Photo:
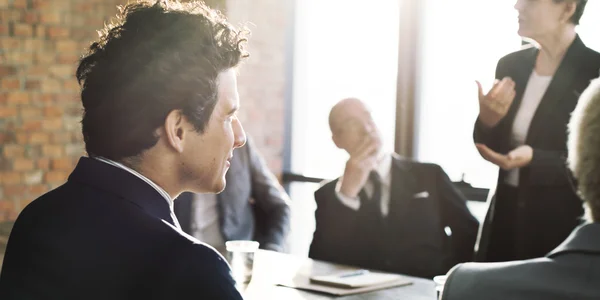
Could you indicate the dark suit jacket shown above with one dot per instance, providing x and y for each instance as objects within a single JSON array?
[
  {"x": 253, "y": 205},
  {"x": 106, "y": 234},
  {"x": 414, "y": 240},
  {"x": 547, "y": 202},
  {"x": 571, "y": 271}
]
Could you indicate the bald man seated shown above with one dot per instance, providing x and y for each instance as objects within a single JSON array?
[{"x": 386, "y": 212}]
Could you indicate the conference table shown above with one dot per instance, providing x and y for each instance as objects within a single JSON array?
[{"x": 272, "y": 267}]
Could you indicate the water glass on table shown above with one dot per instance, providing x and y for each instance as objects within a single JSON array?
[{"x": 240, "y": 255}]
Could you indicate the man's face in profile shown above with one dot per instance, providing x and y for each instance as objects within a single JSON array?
[{"x": 208, "y": 156}]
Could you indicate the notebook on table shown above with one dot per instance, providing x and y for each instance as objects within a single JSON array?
[{"x": 348, "y": 283}]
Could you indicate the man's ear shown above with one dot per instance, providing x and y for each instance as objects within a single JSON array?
[{"x": 175, "y": 130}]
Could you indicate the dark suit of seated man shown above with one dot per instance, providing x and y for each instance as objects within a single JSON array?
[
  {"x": 158, "y": 88},
  {"x": 386, "y": 212},
  {"x": 253, "y": 206},
  {"x": 572, "y": 270}
]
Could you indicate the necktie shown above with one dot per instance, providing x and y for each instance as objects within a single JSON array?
[{"x": 374, "y": 203}]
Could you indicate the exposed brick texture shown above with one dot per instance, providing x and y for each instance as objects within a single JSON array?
[
  {"x": 40, "y": 43},
  {"x": 40, "y": 138}
]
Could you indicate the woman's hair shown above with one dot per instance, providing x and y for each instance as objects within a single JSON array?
[
  {"x": 578, "y": 11},
  {"x": 153, "y": 59}
]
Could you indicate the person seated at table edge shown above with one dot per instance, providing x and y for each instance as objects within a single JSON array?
[{"x": 386, "y": 212}]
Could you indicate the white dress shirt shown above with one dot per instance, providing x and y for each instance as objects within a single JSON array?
[
  {"x": 534, "y": 92},
  {"x": 148, "y": 181},
  {"x": 384, "y": 169},
  {"x": 205, "y": 225}
]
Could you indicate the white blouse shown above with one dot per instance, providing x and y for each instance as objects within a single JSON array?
[{"x": 534, "y": 92}]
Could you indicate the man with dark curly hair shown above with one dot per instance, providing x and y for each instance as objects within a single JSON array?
[{"x": 158, "y": 87}]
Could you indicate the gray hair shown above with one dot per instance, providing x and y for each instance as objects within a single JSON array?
[{"x": 584, "y": 148}]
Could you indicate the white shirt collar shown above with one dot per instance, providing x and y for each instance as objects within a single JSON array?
[
  {"x": 140, "y": 176},
  {"x": 385, "y": 166}
]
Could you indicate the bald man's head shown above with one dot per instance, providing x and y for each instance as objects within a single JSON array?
[
  {"x": 351, "y": 123},
  {"x": 344, "y": 109}
]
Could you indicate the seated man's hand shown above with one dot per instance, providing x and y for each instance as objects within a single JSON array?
[{"x": 361, "y": 163}]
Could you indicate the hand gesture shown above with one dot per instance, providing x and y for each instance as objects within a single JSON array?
[
  {"x": 517, "y": 158},
  {"x": 358, "y": 167},
  {"x": 494, "y": 105}
]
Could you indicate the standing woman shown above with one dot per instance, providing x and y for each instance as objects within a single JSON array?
[{"x": 522, "y": 128}]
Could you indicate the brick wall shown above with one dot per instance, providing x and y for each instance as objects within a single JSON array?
[
  {"x": 40, "y": 43},
  {"x": 262, "y": 77},
  {"x": 40, "y": 138}
]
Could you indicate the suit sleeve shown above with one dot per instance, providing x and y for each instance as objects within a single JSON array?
[
  {"x": 197, "y": 273},
  {"x": 549, "y": 167},
  {"x": 458, "y": 217},
  {"x": 491, "y": 136},
  {"x": 271, "y": 198},
  {"x": 504, "y": 280},
  {"x": 335, "y": 232},
  {"x": 457, "y": 284},
  {"x": 353, "y": 203}
]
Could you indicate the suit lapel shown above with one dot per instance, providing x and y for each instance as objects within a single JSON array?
[
  {"x": 561, "y": 84},
  {"x": 225, "y": 208},
  {"x": 520, "y": 74},
  {"x": 403, "y": 186},
  {"x": 228, "y": 201}
]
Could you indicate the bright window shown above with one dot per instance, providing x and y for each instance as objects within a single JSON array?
[
  {"x": 590, "y": 22},
  {"x": 342, "y": 49},
  {"x": 461, "y": 42}
]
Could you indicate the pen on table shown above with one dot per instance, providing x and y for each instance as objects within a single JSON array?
[{"x": 355, "y": 273}]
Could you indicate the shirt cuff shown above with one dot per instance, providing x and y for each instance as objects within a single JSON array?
[{"x": 351, "y": 202}]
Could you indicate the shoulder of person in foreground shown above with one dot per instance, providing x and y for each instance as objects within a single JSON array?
[
  {"x": 196, "y": 271},
  {"x": 502, "y": 280}
]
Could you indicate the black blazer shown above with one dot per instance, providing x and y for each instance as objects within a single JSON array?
[
  {"x": 414, "y": 240},
  {"x": 106, "y": 234},
  {"x": 253, "y": 205},
  {"x": 546, "y": 200},
  {"x": 569, "y": 272}
]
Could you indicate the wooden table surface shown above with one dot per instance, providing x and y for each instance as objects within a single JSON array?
[{"x": 272, "y": 267}]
